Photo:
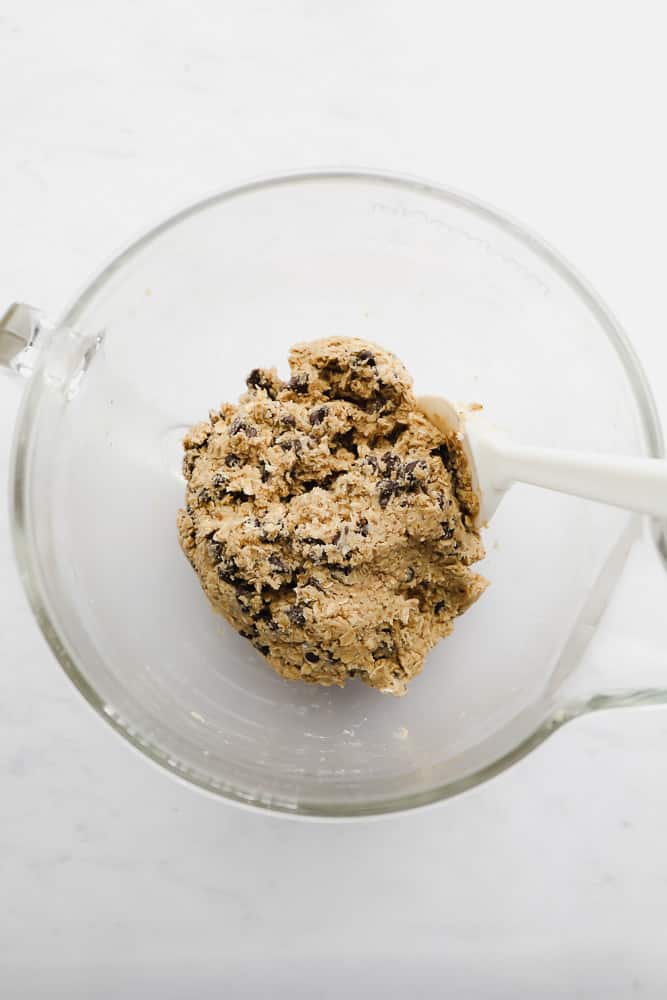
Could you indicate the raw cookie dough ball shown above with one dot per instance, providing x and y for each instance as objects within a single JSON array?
[{"x": 329, "y": 522}]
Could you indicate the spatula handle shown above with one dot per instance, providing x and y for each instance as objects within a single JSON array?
[{"x": 638, "y": 484}]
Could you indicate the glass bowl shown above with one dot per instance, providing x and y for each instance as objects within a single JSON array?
[{"x": 478, "y": 309}]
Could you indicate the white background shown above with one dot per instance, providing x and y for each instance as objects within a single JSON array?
[{"x": 115, "y": 881}]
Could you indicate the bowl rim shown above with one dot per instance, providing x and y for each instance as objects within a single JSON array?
[{"x": 20, "y": 507}]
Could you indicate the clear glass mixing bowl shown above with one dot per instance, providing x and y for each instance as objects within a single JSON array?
[{"x": 478, "y": 309}]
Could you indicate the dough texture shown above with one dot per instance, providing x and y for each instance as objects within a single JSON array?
[{"x": 328, "y": 521}]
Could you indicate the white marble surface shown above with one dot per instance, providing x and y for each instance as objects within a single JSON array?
[{"x": 116, "y": 881}]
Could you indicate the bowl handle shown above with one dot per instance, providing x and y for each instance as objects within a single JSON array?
[
  {"x": 625, "y": 662},
  {"x": 22, "y": 330},
  {"x": 29, "y": 339}
]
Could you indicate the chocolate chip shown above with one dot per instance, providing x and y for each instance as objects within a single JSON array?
[
  {"x": 367, "y": 357},
  {"x": 383, "y": 651},
  {"x": 264, "y": 615},
  {"x": 227, "y": 570},
  {"x": 391, "y": 462},
  {"x": 232, "y": 460},
  {"x": 316, "y": 417},
  {"x": 204, "y": 496},
  {"x": 296, "y": 615},
  {"x": 277, "y": 563},
  {"x": 239, "y": 424},
  {"x": 312, "y": 657},
  {"x": 189, "y": 460},
  {"x": 439, "y": 607},
  {"x": 286, "y": 445},
  {"x": 264, "y": 650},
  {"x": 228, "y": 573},
  {"x": 214, "y": 552},
  {"x": 260, "y": 379},
  {"x": 266, "y": 475},
  {"x": 288, "y": 420},
  {"x": 299, "y": 384},
  {"x": 409, "y": 472},
  {"x": 237, "y": 496},
  {"x": 447, "y": 529},
  {"x": 189, "y": 509},
  {"x": 386, "y": 490},
  {"x": 362, "y": 527},
  {"x": 298, "y": 446}
]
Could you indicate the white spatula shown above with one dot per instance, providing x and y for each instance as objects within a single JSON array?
[{"x": 638, "y": 484}]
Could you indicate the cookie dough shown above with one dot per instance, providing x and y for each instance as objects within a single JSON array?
[{"x": 328, "y": 521}]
